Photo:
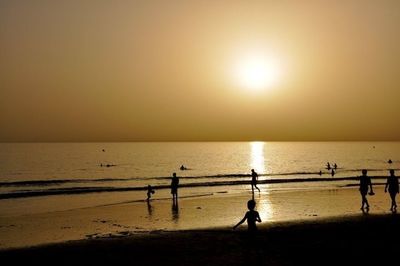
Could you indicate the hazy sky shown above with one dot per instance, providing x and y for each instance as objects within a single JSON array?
[{"x": 164, "y": 70}]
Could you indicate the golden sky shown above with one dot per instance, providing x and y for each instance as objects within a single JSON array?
[{"x": 165, "y": 70}]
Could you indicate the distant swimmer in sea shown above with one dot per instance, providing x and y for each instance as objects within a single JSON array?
[
  {"x": 183, "y": 167},
  {"x": 251, "y": 216},
  {"x": 254, "y": 179},
  {"x": 365, "y": 182},
  {"x": 390, "y": 161},
  {"x": 150, "y": 191},
  {"x": 393, "y": 184},
  {"x": 328, "y": 166},
  {"x": 174, "y": 187}
]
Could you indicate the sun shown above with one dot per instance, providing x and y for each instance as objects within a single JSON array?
[{"x": 257, "y": 72}]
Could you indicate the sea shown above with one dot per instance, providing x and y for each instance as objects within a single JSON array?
[{"x": 42, "y": 171}]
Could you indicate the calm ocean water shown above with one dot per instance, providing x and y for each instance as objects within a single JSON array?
[{"x": 39, "y": 169}]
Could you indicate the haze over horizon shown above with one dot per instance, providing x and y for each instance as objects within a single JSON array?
[{"x": 188, "y": 71}]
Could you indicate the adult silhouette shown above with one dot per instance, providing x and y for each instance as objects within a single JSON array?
[
  {"x": 254, "y": 179},
  {"x": 392, "y": 183},
  {"x": 174, "y": 187},
  {"x": 365, "y": 182}
]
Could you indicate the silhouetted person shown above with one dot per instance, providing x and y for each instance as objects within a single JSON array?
[
  {"x": 393, "y": 184},
  {"x": 254, "y": 179},
  {"x": 149, "y": 192},
  {"x": 365, "y": 182},
  {"x": 335, "y": 166},
  {"x": 333, "y": 172},
  {"x": 183, "y": 167},
  {"x": 320, "y": 172},
  {"x": 390, "y": 161},
  {"x": 251, "y": 216},
  {"x": 328, "y": 166},
  {"x": 174, "y": 187}
]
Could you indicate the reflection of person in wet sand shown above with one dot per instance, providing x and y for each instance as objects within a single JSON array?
[
  {"x": 251, "y": 216},
  {"x": 175, "y": 210},
  {"x": 393, "y": 184},
  {"x": 149, "y": 209},
  {"x": 174, "y": 187},
  {"x": 365, "y": 182},
  {"x": 254, "y": 179}
]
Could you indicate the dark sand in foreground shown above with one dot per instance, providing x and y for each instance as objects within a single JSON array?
[{"x": 359, "y": 239}]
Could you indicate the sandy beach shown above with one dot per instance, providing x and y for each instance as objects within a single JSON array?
[
  {"x": 217, "y": 210},
  {"x": 358, "y": 239}
]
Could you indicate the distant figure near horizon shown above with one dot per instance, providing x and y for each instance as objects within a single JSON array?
[
  {"x": 365, "y": 182},
  {"x": 333, "y": 173},
  {"x": 320, "y": 172},
  {"x": 183, "y": 167},
  {"x": 150, "y": 191},
  {"x": 390, "y": 161},
  {"x": 328, "y": 166},
  {"x": 254, "y": 179},
  {"x": 335, "y": 166},
  {"x": 174, "y": 187},
  {"x": 393, "y": 184},
  {"x": 251, "y": 216}
]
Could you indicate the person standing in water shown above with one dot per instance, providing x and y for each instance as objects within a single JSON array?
[
  {"x": 393, "y": 184},
  {"x": 365, "y": 182},
  {"x": 251, "y": 216},
  {"x": 254, "y": 179},
  {"x": 174, "y": 187}
]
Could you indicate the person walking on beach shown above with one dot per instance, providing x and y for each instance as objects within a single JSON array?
[
  {"x": 254, "y": 179},
  {"x": 365, "y": 182},
  {"x": 150, "y": 191},
  {"x": 393, "y": 184},
  {"x": 251, "y": 216},
  {"x": 174, "y": 187}
]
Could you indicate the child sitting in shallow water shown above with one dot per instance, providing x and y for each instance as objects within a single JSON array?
[{"x": 251, "y": 216}]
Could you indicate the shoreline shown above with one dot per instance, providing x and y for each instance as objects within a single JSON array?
[{"x": 88, "y": 190}]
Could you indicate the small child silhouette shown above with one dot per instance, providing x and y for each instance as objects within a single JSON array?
[
  {"x": 149, "y": 192},
  {"x": 251, "y": 216}
]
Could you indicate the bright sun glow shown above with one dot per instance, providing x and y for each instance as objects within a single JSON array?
[{"x": 258, "y": 72}]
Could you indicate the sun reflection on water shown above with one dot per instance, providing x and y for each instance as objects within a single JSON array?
[{"x": 257, "y": 156}]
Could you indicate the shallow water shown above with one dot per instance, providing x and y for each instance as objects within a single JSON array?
[{"x": 43, "y": 169}]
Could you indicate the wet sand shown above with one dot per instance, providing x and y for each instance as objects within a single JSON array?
[
  {"x": 216, "y": 210},
  {"x": 357, "y": 239}
]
